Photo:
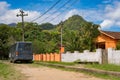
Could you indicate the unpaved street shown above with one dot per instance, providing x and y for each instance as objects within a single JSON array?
[{"x": 45, "y": 73}]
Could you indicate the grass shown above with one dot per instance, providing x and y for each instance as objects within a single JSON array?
[
  {"x": 107, "y": 67},
  {"x": 104, "y": 76},
  {"x": 7, "y": 72},
  {"x": 62, "y": 63}
]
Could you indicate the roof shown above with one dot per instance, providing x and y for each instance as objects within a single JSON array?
[{"x": 114, "y": 35}]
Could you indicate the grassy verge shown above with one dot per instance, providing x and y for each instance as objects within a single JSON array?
[
  {"x": 107, "y": 67},
  {"x": 104, "y": 76},
  {"x": 7, "y": 72},
  {"x": 61, "y": 63}
]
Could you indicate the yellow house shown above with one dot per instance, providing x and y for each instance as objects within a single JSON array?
[{"x": 107, "y": 39}]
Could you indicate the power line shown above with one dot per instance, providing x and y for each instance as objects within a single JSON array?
[
  {"x": 56, "y": 10},
  {"x": 47, "y": 10},
  {"x": 64, "y": 10}
]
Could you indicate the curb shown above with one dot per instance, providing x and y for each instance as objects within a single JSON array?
[{"x": 117, "y": 74}]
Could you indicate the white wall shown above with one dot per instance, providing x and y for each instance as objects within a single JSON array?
[
  {"x": 86, "y": 56},
  {"x": 113, "y": 56}
]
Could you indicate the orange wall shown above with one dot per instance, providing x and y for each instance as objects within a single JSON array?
[
  {"x": 47, "y": 57},
  {"x": 52, "y": 56},
  {"x": 109, "y": 42}
]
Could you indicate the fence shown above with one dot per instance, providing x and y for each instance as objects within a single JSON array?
[
  {"x": 113, "y": 56},
  {"x": 110, "y": 56},
  {"x": 86, "y": 56},
  {"x": 47, "y": 57}
]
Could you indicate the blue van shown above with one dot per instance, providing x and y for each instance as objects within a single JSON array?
[{"x": 21, "y": 51}]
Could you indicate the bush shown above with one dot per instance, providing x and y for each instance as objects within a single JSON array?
[{"x": 118, "y": 45}]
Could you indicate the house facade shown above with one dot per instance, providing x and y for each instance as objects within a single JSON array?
[{"x": 107, "y": 39}]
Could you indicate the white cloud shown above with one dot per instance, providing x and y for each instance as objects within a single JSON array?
[
  {"x": 107, "y": 24},
  {"x": 9, "y": 15},
  {"x": 113, "y": 12},
  {"x": 109, "y": 16},
  {"x": 112, "y": 15},
  {"x": 71, "y": 13},
  {"x": 118, "y": 23},
  {"x": 3, "y": 7},
  {"x": 91, "y": 15}
]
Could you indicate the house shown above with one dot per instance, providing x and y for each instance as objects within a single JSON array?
[{"x": 107, "y": 39}]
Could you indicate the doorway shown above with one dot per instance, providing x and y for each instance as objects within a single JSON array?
[{"x": 100, "y": 45}]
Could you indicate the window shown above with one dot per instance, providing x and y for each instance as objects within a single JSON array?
[{"x": 25, "y": 47}]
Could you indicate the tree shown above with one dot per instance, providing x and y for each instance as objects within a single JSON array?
[
  {"x": 16, "y": 33},
  {"x": 88, "y": 33},
  {"x": 79, "y": 34},
  {"x": 4, "y": 35},
  {"x": 71, "y": 40},
  {"x": 38, "y": 47},
  {"x": 118, "y": 45}
]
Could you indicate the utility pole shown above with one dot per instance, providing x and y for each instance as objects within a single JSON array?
[
  {"x": 22, "y": 16},
  {"x": 61, "y": 26},
  {"x": 61, "y": 34}
]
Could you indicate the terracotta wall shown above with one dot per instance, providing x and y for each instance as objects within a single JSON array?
[
  {"x": 109, "y": 42},
  {"x": 47, "y": 57}
]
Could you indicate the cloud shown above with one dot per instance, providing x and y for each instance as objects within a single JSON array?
[
  {"x": 118, "y": 23},
  {"x": 3, "y": 7},
  {"x": 91, "y": 15},
  {"x": 9, "y": 15},
  {"x": 107, "y": 23},
  {"x": 112, "y": 16},
  {"x": 71, "y": 13},
  {"x": 106, "y": 17}
]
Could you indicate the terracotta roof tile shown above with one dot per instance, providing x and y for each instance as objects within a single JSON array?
[{"x": 114, "y": 35}]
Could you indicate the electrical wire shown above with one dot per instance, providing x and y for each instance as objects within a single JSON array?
[
  {"x": 47, "y": 11},
  {"x": 63, "y": 11},
  {"x": 56, "y": 10}
]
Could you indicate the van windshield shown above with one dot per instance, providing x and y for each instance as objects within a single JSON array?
[{"x": 25, "y": 47}]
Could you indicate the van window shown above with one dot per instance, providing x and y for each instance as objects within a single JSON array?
[{"x": 25, "y": 47}]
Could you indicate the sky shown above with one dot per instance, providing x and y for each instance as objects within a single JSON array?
[{"x": 106, "y": 13}]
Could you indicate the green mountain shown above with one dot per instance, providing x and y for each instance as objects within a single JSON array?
[
  {"x": 47, "y": 26},
  {"x": 74, "y": 22}
]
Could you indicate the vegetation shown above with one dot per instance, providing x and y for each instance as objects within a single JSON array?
[
  {"x": 4, "y": 35},
  {"x": 118, "y": 45},
  {"x": 78, "y": 34},
  {"x": 47, "y": 26},
  {"x": 62, "y": 63},
  {"x": 108, "y": 67},
  {"x": 7, "y": 72}
]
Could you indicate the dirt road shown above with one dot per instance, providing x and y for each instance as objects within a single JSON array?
[{"x": 45, "y": 73}]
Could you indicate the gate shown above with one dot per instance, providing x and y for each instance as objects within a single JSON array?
[{"x": 104, "y": 56}]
